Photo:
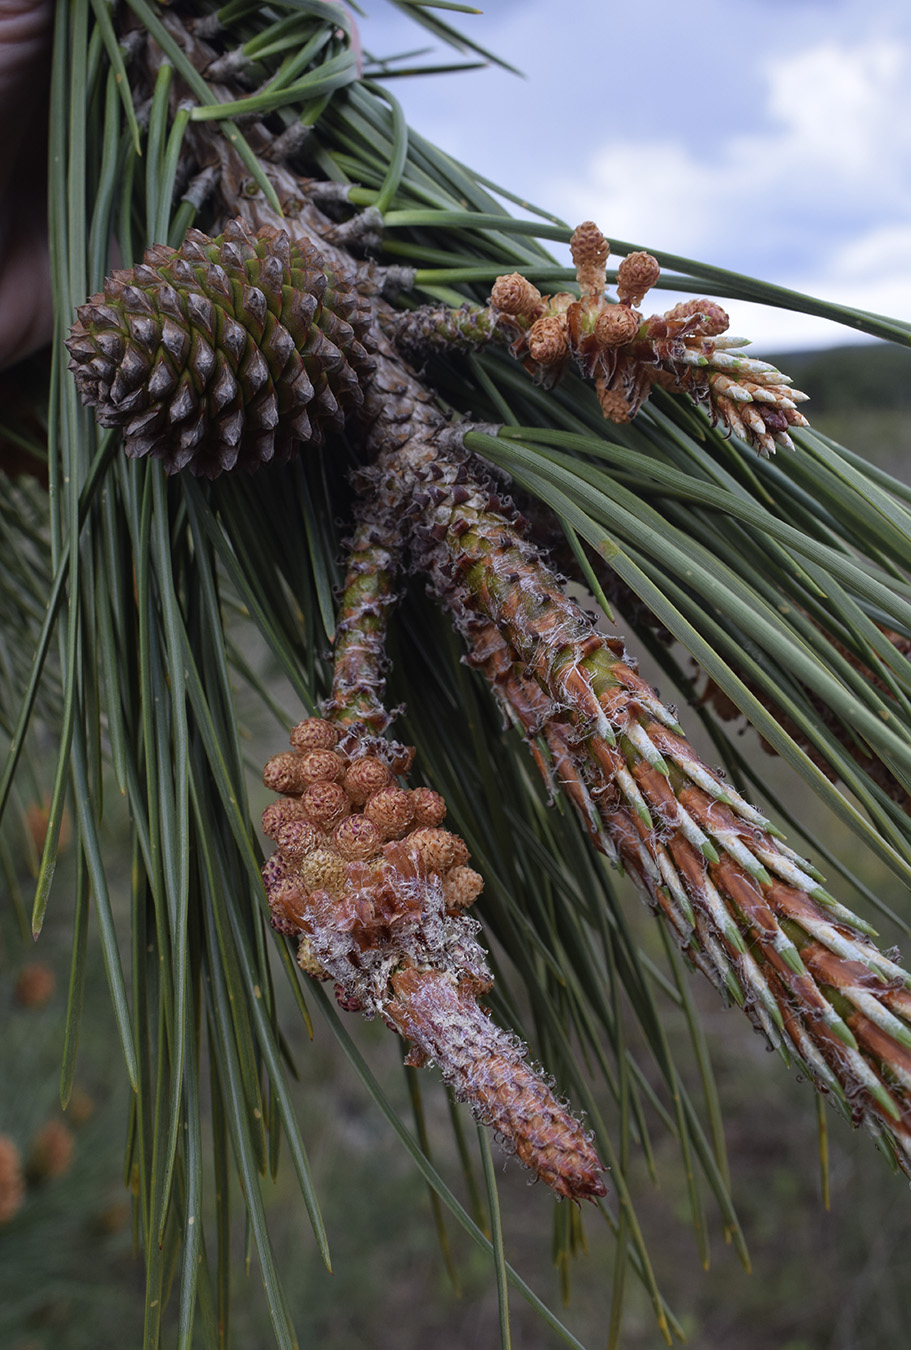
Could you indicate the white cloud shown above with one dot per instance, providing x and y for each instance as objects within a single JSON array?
[
  {"x": 836, "y": 145},
  {"x": 881, "y": 254},
  {"x": 752, "y": 142},
  {"x": 800, "y": 201},
  {"x": 839, "y": 105}
]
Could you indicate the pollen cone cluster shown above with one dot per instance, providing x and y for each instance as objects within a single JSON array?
[
  {"x": 224, "y": 352},
  {"x": 374, "y": 889},
  {"x": 683, "y": 350}
]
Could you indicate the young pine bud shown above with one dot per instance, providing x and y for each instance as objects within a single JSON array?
[
  {"x": 636, "y": 275},
  {"x": 590, "y": 251}
]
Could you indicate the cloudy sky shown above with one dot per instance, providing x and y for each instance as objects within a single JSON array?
[{"x": 769, "y": 136}]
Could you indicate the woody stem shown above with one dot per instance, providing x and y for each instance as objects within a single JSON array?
[{"x": 358, "y": 683}]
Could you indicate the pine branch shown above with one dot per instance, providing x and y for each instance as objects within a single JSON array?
[
  {"x": 264, "y": 332},
  {"x": 707, "y": 859}
]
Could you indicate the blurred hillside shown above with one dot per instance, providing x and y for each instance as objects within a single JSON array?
[
  {"x": 859, "y": 395},
  {"x": 867, "y": 375}
]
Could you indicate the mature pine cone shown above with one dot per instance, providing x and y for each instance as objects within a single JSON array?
[{"x": 223, "y": 352}]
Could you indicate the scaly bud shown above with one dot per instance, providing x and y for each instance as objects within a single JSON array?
[
  {"x": 547, "y": 341},
  {"x": 713, "y": 319},
  {"x": 616, "y": 325},
  {"x": 636, "y": 275},
  {"x": 315, "y": 733},
  {"x": 513, "y": 294},
  {"x": 590, "y": 252}
]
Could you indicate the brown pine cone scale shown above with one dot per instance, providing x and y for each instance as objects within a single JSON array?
[{"x": 224, "y": 352}]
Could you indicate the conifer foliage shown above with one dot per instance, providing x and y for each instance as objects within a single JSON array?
[{"x": 316, "y": 317}]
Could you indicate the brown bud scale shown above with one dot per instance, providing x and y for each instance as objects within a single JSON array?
[
  {"x": 636, "y": 275},
  {"x": 515, "y": 295},
  {"x": 590, "y": 252},
  {"x": 315, "y": 733},
  {"x": 325, "y": 803}
]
